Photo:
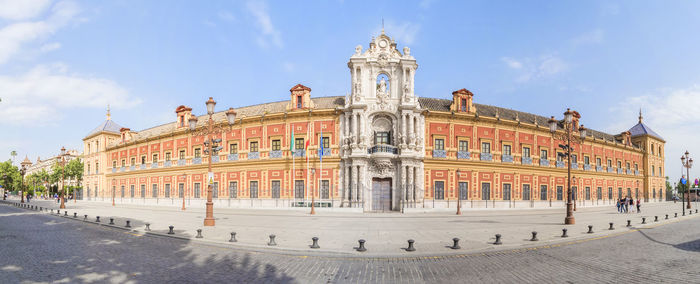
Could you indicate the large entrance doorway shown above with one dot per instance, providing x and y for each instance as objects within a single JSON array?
[{"x": 381, "y": 194}]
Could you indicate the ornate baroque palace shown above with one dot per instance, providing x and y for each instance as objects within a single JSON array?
[{"x": 381, "y": 148}]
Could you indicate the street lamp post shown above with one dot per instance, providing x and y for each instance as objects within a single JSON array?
[
  {"x": 62, "y": 162},
  {"x": 569, "y": 128},
  {"x": 313, "y": 193},
  {"x": 22, "y": 171},
  {"x": 459, "y": 194},
  {"x": 212, "y": 149},
  {"x": 687, "y": 163}
]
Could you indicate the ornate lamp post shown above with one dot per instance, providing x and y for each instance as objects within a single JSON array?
[
  {"x": 212, "y": 148},
  {"x": 569, "y": 128},
  {"x": 687, "y": 163},
  {"x": 459, "y": 194},
  {"x": 313, "y": 193},
  {"x": 62, "y": 163},
  {"x": 183, "y": 192},
  {"x": 22, "y": 171}
]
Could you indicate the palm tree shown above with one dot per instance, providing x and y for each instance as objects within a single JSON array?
[{"x": 13, "y": 154}]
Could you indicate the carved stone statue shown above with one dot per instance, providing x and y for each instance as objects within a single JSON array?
[
  {"x": 382, "y": 86},
  {"x": 406, "y": 51},
  {"x": 358, "y": 49}
]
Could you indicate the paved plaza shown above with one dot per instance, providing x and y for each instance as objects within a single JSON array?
[{"x": 40, "y": 248}]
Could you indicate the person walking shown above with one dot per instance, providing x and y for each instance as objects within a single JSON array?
[
  {"x": 632, "y": 205},
  {"x": 618, "y": 206},
  {"x": 627, "y": 205},
  {"x": 639, "y": 204}
]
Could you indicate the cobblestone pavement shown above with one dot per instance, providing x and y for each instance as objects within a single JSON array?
[
  {"x": 38, "y": 247},
  {"x": 386, "y": 234}
]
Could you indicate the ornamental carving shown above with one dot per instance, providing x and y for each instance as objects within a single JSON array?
[{"x": 382, "y": 167}]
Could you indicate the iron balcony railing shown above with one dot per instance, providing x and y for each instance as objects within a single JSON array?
[
  {"x": 486, "y": 156},
  {"x": 383, "y": 149},
  {"x": 276, "y": 154},
  {"x": 463, "y": 155},
  {"x": 506, "y": 158},
  {"x": 232, "y": 157},
  {"x": 526, "y": 160}
]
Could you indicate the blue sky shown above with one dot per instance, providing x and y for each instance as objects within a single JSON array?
[{"x": 62, "y": 62}]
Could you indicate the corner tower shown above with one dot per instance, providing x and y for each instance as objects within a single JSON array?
[
  {"x": 382, "y": 129},
  {"x": 653, "y": 160}
]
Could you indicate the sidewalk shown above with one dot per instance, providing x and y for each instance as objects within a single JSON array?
[{"x": 386, "y": 234}]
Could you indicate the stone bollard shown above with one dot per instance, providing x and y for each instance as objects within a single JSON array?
[
  {"x": 75, "y": 215},
  {"x": 498, "y": 240},
  {"x": 233, "y": 238},
  {"x": 111, "y": 221},
  {"x": 51, "y": 211},
  {"x": 171, "y": 230},
  {"x": 97, "y": 219},
  {"x": 85, "y": 218},
  {"x": 534, "y": 237},
  {"x": 563, "y": 233},
  {"x": 644, "y": 220},
  {"x": 590, "y": 229},
  {"x": 656, "y": 218},
  {"x": 361, "y": 248},
  {"x": 690, "y": 212},
  {"x": 696, "y": 210},
  {"x": 272, "y": 241},
  {"x": 128, "y": 224},
  {"x": 666, "y": 216},
  {"x": 65, "y": 213},
  {"x": 675, "y": 215},
  {"x": 455, "y": 244},
  {"x": 611, "y": 226},
  {"x": 629, "y": 223},
  {"x": 410, "y": 245},
  {"x": 199, "y": 234},
  {"x": 314, "y": 244},
  {"x": 148, "y": 227},
  {"x": 683, "y": 213}
]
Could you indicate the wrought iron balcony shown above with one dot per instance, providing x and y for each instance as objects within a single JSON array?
[
  {"x": 232, "y": 157},
  {"x": 574, "y": 166},
  {"x": 636, "y": 172},
  {"x": 598, "y": 168},
  {"x": 154, "y": 165},
  {"x": 560, "y": 164},
  {"x": 114, "y": 170},
  {"x": 587, "y": 167},
  {"x": 619, "y": 171},
  {"x": 181, "y": 162},
  {"x": 629, "y": 172},
  {"x": 122, "y": 169},
  {"x": 506, "y": 158},
  {"x": 464, "y": 155},
  {"x": 167, "y": 164},
  {"x": 274, "y": 154},
  {"x": 326, "y": 152},
  {"x": 215, "y": 159},
  {"x": 142, "y": 166},
  {"x": 485, "y": 156},
  {"x": 439, "y": 154},
  {"x": 383, "y": 149},
  {"x": 132, "y": 167},
  {"x": 526, "y": 160},
  {"x": 253, "y": 155},
  {"x": 299, "y": 153},
  {"x": 197, "y": 160},
  {"x": 610, "y": 169},
  {"x": 544, "y": 162}
]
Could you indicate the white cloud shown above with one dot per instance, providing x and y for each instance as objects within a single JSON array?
[
  {"x": 670, "y": 113},
  {"x": 22, "y": 9},
  {"x": 592, "y": 37},
  {"x": 403, "y": 33},
  {"x": 268, "y": 33},
  {"x": 529, "y": 69},
  {"x": 226, "y": 16},
  {"x": 48, "y": 92},
  {"x": 14, "y": 36},
  {"x": 425, "y": 4},
  {"x": 50, "y": 46}
]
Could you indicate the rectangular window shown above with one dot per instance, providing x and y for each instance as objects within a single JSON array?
[
  {"x": 325, "y": 189},
  {"x": 131, "y": 191},
  {"x": 543, "y": 192},
  {"x": 506, "y": 150},
  {"x": 154, "y": 190},
  {"x": 168, "y": 156},
  {"x": 167, "y": 190},
  {"x": 276, "y": 145},
  {"x": 574, "y": 159},
  {"x": 381, "y": 138},
  {"x": 610, "y": 193},
  {"x": 588, "y": 193},
  {"x": 143, "y": 159},
  {"x": 114, "y": 164},
  {"x": 298, "y": 101},
  {"x": 506, "y": 191},
  {"x": 628, "y": 166},
  {"x": 275, "y": 189},
  {"x": 599, "y": 193},
  {"x": 253, "y": 189},
  {"x": 560, "y": 192},
  {"x": 636, "y": 167},
  {"x": 619, "y": 192},
  {"x": 652, "y": 171},
  {"x": 233, "y": 148},
  {"x": 197, "y": 190},
  {"x": 526, "y": 152},
  {"x": 629, "y": 192},
  {"x": 574, "y": 193},
  {"x": 464, "y": 105},
  {"x": 133, "y": 161},
  {"x": 97, "y": 168},
  {"x": 122, "y": 191},
  {"x": 123, "y": 163},
  {"x": 233, "y": 189},
  {"x": 181, "y": 190},
  {"x": 619, "y": 164},
  {"x": 439, "y": 144},
  {"x": 586, "y": 160},
  {"x": 299, "y": 189},
  {"x": 182, "y": 155},
  {"x": 485, "y": 147},
  {"x": 155, "y": 158},
  {"x": 439, "y": 190},
  {"x": 543, "y": 154},
  {"x": 463, "y": 146},
  {"x": 299, "y": 144},
  {"x": 485, "y": 191},
  {"x": 215, "y": 190},
  {"x": 253, "y": 146},
  {"x": 197, "y": 152},
  {"x": 325, "y": 141},
  {"x": 526, "y": 192},
  {"x": 560, "y": 157},
  {"x": 463, "y": 190},
  {"x": 598, "y": 162}
]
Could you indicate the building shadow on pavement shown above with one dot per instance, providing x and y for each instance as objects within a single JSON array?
[
  {"x": 693, "y": 246},
  {"x": 73, "y": 251}
]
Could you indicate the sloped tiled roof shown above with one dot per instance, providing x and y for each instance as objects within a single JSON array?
[
  {"x": 106, "y": 126},
  {"x": 642, "y": 129}
]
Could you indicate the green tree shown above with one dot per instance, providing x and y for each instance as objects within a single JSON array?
[
  {"x": 9, "y": 176},
  {"x": 13, "y": 154},
  {"x": 669, "y": 189}
]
